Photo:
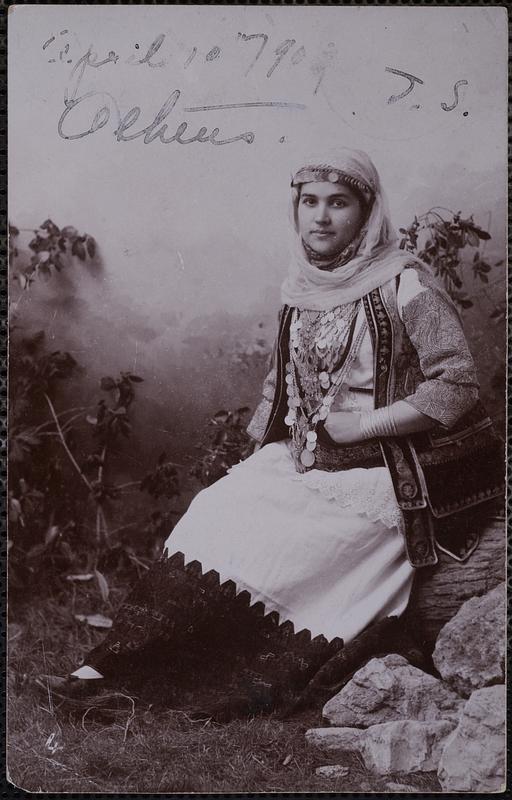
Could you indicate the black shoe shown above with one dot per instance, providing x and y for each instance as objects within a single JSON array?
[{"x": 70, "y": 688}]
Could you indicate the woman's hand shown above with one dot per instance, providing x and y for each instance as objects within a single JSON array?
[{"x": 343, "y": 427}]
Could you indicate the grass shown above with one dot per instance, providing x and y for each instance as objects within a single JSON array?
[{"x": 128, "y": 747}]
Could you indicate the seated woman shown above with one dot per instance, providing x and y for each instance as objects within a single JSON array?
[{"x": 317, "y": 535}]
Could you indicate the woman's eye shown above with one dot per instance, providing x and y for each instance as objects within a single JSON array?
[
  {"x": 338, "y": 203},
  {"x": 308, "y": 201}
]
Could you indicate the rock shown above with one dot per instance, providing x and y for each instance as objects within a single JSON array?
[
  {"x": 344, "y": 739},
  {"x": 402, "y": 746},
  {"x": 405, "y": 745},
  {"x": 474, "y": 755},
  {"x": 470, "y": 649},
  {"x": 401, "y": 787},
  {"x": 332, "y": 771},
  {"x": 389, "y": 689}
]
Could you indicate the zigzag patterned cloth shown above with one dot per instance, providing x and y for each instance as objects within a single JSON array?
[{"x": 186, "y": 628}]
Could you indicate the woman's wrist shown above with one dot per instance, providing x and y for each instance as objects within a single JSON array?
[{"x": 377, "y": 423}]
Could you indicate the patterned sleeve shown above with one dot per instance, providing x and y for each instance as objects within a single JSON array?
[
  {"x": 258, "y": 423},
  {"x": 257, "y": 426},
  {"x": 450, "y": 388}
]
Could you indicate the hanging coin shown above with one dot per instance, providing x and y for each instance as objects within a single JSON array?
[
  {"x": 311, "y": 436},
  {"x": 307, "y": 458},
  {"x": 311, "y": 446}
]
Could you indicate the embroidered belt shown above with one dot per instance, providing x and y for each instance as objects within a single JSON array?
[{"x": 333, "y": 457}]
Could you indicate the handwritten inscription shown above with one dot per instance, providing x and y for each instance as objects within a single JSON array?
[
  {"x": 126, "y": 127},
  {"x": 412, "y": 80},
  {"x": 157, "y": 129},
  {"x": 456, "y": 93}
]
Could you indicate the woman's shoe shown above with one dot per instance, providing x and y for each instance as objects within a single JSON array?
[{"x": 70, "y": 688}]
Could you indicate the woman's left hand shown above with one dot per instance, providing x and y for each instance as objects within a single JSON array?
[{"x": 343, "y": 427}]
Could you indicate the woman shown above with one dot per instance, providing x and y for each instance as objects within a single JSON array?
[{"x": 369, "y": 418}]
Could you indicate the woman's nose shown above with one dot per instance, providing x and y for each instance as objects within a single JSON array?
[{"x": 322, "y": 213}]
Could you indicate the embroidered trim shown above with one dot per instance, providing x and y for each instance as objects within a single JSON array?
[{"x": 373, "y": 498}]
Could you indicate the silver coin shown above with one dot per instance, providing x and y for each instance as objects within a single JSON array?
[
  {"x": 310, "y": 446},
  {"x": 307, "y": 458},
  {"x": 311, "y": 436}
]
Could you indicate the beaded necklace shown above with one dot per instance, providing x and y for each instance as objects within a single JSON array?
[{"x": 323, "y": 348}]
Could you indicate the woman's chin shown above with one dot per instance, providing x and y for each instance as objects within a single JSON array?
[{"x": 323, "y": 249}]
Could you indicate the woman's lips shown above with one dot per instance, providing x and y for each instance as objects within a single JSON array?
[{"x": 322, "y": 234}]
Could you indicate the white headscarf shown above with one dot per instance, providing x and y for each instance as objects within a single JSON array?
[{"x": 376, "y": 260}]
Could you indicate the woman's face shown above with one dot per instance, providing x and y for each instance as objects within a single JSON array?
[{"x": 329, "y": 216}]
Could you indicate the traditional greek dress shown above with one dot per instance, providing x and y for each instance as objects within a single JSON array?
[{"x": 322, "y": 549}]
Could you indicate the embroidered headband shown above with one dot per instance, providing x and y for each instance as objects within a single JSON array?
[{"x": 310, "y": 174}]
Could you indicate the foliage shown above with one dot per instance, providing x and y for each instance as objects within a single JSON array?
[
  {"x": 441, "y": 245},
  {"x": 52, "y": 250},
  {"x": 227, "y": 443},
  {"x": 59, "y": 459}
]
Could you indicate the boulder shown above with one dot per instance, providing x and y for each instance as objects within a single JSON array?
[
  {"x": 405, "y": 745},
  {"x": 470, "y": 649},
  {"x": 474, "y": 756},
  {"x": 335, "y": 739},
  {"x": 402, "y": 746},
  {"x": 389, "y": 689}
]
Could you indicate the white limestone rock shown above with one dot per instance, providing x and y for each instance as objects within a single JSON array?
[
  {"x": 470, "y": 649},
  {"x": 474, "y": 756},
  {"x": 389, "y": 689},
  {"x": 405, "y": 745},
  {"x": 335, "y": 739},
  {"x": 400, "y": 746}
]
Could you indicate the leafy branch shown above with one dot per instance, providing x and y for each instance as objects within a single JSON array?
[
  {"x": 442, "y": 242},
  {"x": 52, "y": 250},
  {"x": 226, "y": 443}
]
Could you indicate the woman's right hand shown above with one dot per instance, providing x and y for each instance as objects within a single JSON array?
[{"x": 343, "y": 427}]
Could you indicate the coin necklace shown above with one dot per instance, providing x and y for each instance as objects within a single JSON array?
[{"x": 318, "y": 366}]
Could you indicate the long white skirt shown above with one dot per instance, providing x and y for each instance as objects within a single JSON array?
[{"x": 322, "y": 549}]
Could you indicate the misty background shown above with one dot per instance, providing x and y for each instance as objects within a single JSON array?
[{"x": 193, "y": 239}]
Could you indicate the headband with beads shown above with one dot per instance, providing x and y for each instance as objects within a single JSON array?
[{"x": 310, "y": 174}]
